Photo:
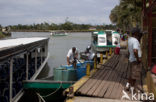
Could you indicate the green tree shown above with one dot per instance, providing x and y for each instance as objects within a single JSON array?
[{"x": 127, "y": 14}]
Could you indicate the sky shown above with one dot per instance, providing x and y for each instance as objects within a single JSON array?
[{"x": 93, "y": 12}]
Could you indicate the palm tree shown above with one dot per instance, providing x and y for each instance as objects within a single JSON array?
[{"x": 127, "y": 14}]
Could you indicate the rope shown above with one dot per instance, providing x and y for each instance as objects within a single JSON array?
[
  {"x": 39, "y": 96},
  {"x": 52, "y": 92}
]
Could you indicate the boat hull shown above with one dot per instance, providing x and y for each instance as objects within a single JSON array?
[{"x": 48, "y": 90}]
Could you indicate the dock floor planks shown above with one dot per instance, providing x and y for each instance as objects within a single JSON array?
[
  {"x": 89, "y": 99},
  {"x": 109, "y": 81}
]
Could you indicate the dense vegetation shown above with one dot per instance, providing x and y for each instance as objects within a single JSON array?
[
  {"x": 1, "y": 35},
  {"x": 127, "y": 14},
  {"x": 64, "y": 26}
]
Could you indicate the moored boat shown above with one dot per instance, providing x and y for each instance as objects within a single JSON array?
[
  {"x": 58, "y": 33},
  {"x": 20, "y": 59},
  {"x": 103, "y": 40},
  {"x": 51, "y": 89}
]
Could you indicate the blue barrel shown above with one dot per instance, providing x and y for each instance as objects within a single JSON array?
[
  {"x": 81, "y": 72},
  {"x": 67, "y": 66}
]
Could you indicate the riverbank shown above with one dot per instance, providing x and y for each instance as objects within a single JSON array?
[{"x": 70, "y": 31}]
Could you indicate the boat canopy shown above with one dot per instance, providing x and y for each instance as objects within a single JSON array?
[
  {"x": 20, "y": 59},
  {"x": 11, "y": 47},
  {"x": 18, "y": 41},
  {"x": 99, "y": 32}
]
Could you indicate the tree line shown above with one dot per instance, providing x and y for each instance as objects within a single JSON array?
[{"x": 64, "y": 26}]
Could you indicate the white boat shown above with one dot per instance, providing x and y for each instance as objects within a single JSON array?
[
  {"x": 58, "y": 33},
  {"x": 102, "y": 41},
  {"x": 20, "y": 59}
]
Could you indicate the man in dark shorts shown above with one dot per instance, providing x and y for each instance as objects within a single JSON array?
[{"x": 134, "y": 57}]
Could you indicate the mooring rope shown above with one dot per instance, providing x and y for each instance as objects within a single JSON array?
[{"x": 52, "y": 92}]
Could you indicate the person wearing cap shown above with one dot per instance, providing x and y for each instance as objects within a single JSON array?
[
  {"x": 134, "y": 57},
  {"x": 88, "y": 49},
  {"x": 88, "y": 53},
  {"x": 72, "y": 55}
]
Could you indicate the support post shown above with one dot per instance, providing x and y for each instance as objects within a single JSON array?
[
  {"x": 11, "y": 75},
  {"x": 27, "y": 66},
  {"x": 88, "y": 69},
  {"x": 95, "y": 62},
  {"x": 110, "y": 51},
  {"x": 106, "y": 54},
  {"x": 35, "y": 60},
  {"x": 41, "y": 55},
  {"x": 101, "y": 58}
]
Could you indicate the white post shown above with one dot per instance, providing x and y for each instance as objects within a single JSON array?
[
  {"x": 11, "y": 75},
  {"x": 35, "y": 60},
  {"x": 27, "y": 66}
]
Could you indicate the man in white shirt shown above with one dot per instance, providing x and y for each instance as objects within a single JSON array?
[
  {"x": 134, "y": 56},
  {"x": 72, "y": 55}
]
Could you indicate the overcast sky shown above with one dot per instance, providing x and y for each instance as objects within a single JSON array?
[{"x": 55, "y": 11}]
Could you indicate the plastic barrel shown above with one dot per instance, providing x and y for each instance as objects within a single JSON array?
[
  {"x": 81, "y": 72},
  {"x": 63, "y": 74},
  {"x": 58, "y": 72},
  {"x": 69, "y": 75}
]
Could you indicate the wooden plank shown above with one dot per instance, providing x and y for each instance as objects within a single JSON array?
[
  {"x": 92, "y": 82},
  {"x": 90, "y": 92},
  {"x": 123, "y": 85},
  {"x": 107, "y": 82},
  {"x": 112, "y": 83},
  {"x": 93, "y": 99},
  {"x": 85, "y": 87},
  {"x": 116, "y": 89},
  {"x": 97, "y": 91},
  {"x": 120, "y": 89},
  {"x": 79, "y": 83}
]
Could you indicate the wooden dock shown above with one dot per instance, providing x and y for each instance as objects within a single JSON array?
[
  {"x": 94, "y": 99},
  {"x": 108, "y": 82}
]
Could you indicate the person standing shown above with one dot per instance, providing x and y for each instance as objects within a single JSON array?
[
  {"x": 72, "y": 55},
  {"x": 134, "y": 57}
]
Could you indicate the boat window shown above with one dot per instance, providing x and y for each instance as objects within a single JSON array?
[
  {"x": 102, "y": 40},
  {"x": 109, "y": 39},
  {"x": 4, "y": 80},
  {"x": 95, "y": 39}
]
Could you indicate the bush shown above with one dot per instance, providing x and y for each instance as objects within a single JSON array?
[{"x": 1, "y": 35}]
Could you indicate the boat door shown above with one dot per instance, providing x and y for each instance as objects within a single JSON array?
[
  {"x": 115, "y": 38},
  {"x": 102, "y": 39},
  {"x": 109, "y": 37}
]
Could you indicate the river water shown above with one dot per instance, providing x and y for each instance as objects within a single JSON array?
[{"x": 58, "y": 47}]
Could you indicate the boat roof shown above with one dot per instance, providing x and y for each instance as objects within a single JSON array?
[
  {"x": 12, "y": 47},
  {"x": 105, "y": 32},
  {"x": 9, "y": 43},
  {"x": 99, "y": 32}
]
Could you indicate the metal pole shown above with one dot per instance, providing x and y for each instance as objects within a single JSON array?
[
  {"x": 41, "y": 55},
  {"x": 27, "y": 66},
  {"x": 11, "y": 75},
  {"x": 35, "y": 60},
  {"x": 46, "y": 49}
]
